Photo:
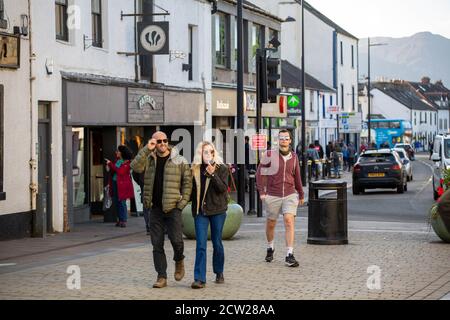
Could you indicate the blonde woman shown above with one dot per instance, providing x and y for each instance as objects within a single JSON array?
[{"x": 209, "y": 206}]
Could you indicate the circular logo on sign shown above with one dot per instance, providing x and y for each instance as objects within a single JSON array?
[{"x": 153, "y": 38}]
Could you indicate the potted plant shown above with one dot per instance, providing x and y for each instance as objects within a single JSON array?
[
  {"x": 438, "y": 217},
  {"x": 233, "y": 221}
]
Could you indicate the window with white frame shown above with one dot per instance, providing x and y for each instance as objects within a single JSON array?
[
  {"x": 221, "y": 35},
  {"x": 96, "y": 8},
  {"x": 62, "y": 32}
]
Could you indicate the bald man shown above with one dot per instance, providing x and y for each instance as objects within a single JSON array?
[{"x": 167, "y": 190}]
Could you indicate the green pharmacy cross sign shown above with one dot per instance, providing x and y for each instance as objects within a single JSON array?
[{"x": 293, "y": 101}]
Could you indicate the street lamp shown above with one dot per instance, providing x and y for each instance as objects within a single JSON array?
[
  {"x": 368, "y": 84},
  {"x": 303, "y": 135},
  {"x": 240, "y": 99}
]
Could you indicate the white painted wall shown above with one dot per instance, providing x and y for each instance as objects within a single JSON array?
[
  {"x": 17, "y": 135},
  {"x": 348, "y": 74},
  {"x": 119, "y": 36},
  {"x": 318, "y": 49}
]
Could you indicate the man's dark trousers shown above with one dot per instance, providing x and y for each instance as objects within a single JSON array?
[{"x": 172, "y": 222}]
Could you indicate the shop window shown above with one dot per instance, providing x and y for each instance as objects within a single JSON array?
[{"x": 79, "y": 167}]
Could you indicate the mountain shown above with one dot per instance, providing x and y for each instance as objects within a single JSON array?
[{"x": 410, "y": 58}]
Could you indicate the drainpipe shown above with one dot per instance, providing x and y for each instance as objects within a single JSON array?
[{"x": 33, "y": 140}]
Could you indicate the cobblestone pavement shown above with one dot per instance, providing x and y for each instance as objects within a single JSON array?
[{"x": 413, "y": 263}]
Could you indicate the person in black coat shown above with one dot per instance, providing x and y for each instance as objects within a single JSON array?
[{"x": 209, "y": 206}]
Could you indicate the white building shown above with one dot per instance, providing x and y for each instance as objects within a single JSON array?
[
  {"x": 85, "y": 93},
  {"x": 331, "y": 52},
  {"x": 399, "y": 101},
  {"x": 17, "y": 177},
  {"x": 439, "y": 96}
]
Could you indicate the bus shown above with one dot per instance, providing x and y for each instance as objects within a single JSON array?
[{"x": 391, "y": 132}]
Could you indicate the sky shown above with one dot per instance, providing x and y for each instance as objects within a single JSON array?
[{"x": 388, "y": 18}]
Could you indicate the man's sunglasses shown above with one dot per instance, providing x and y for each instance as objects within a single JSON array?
[{"x": 161, "y": 141}]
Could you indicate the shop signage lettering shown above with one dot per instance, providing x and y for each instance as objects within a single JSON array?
[{"x": 146, "y": 99}]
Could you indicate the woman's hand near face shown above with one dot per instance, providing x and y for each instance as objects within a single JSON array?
[{"x": 210, "y": 169}]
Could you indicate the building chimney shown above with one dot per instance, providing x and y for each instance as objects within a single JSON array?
[
  {"x": 439, "y": 83},
  {"x": 426, "y": 80}
]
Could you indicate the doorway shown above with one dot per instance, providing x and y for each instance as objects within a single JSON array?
[{"x": 44, "y": 159}]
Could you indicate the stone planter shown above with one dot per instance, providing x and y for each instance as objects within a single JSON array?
[
  {"x": 438, "y": 225},
  {"x": 230, "y": 228}
]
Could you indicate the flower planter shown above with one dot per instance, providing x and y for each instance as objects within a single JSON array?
[
  {"x": 232, "y": 222},
  {"x": 438, "y": 225}
]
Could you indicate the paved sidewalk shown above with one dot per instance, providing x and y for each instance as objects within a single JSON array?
[
  {"x": 82, "y": 234},
  {"x": 412, "y": 262},
  {"x": 411, "y": 265}
]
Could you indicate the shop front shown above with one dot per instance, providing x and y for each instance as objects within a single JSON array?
[{"x": 97, "y": 119}]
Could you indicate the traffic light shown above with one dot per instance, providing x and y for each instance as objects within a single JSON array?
[{"x": 273, "y": 75}]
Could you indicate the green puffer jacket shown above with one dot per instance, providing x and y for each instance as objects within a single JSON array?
[{"x": 177, "y": 178}]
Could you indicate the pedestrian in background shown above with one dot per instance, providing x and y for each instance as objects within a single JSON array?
[
  {"x": 351, "y": 156},
  {"x": 120, "y": 184},
  {"x": 431, "y": 144},
  {"x": 313, "y": 156},
  {"x": 209, "y": 207},
  {"x": 167, "y": 190},
  {"x": 345, "y": 155},
  {"x": 335, "y": 155},
  {"x": 280, "y": 188},
  {"x": 328, "y": 149}
]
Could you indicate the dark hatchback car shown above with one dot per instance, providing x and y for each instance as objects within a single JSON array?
[{"x": 379, "y": 169}]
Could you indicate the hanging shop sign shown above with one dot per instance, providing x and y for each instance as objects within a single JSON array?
[
  {"x": 153, "y": 38},
  {"x": 9, "y": 51}
]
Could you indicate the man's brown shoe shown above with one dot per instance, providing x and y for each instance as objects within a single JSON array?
[
  {"x": 160, "y": 283},
  {"x": 179, "y": 270}
]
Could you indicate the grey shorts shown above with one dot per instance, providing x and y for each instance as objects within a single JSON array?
[{"x": 274, "y": 206}]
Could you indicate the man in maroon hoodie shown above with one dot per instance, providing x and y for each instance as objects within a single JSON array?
[{"x": 279, "y": 184}]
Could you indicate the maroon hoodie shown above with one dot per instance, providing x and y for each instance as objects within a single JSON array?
[{"x": 277, "y": 177}]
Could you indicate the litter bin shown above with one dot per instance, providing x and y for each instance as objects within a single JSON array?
[{"x": 327, "y": 215}]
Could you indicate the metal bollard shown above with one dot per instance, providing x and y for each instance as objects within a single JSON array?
[
  {"x": 324, "y": 168},
  {"x": 316, "y": 169},
  {"x": 252, "y": 192},
  {"x": 40, "y": 217}
]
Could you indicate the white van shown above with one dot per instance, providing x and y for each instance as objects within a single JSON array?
[{"x": 441, "y": 158}]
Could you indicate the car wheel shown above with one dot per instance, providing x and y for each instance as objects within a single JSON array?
[
  {"x": 401, "y": 189},
  {"x": 356, "y": 190}
]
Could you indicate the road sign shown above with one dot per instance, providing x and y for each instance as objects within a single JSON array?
[
  {"x": 350, "y": 122},
  {"x": 259, "y": 142},
  {"x": 333, "y": 109},
  {"x": 293, "y": 101}
]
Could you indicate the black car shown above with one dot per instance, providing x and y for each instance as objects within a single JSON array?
[{"x": 379, "y": 169}]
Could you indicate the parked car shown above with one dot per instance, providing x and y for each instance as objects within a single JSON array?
[
  {"x": 408, "y": 148},
  {"x": 441, "y": 158},
  {"x": 379, "y": 169},
  {"x": 406, "y": 162}
]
